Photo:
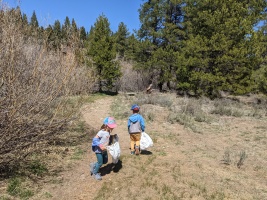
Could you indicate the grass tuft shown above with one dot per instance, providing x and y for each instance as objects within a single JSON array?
[{"x": 15, "y": 188}]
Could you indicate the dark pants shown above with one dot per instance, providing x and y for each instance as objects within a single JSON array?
[{"x": 102, "y": 158}]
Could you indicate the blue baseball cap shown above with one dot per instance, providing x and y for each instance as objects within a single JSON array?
[
  {"x": 110, "y": 122},
  {"x": 135, "y": 107}
]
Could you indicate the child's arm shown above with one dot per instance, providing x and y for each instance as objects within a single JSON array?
[
  {"x": 96, "y": 142},
  {"x": 142, "y": 123},
  {"x": 128, "y": 125}
]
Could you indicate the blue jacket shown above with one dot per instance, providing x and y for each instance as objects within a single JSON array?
[
  {"x": 137, "y": 117},
  {"x": 95, "y": 145},
  {"x": 96, "y": 141}
]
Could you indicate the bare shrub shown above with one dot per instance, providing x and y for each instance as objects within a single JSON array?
[
  {"x": 34, "y": 85},
  {"x": 226, "y": 107},
  {"x": 132, "y": 80}
]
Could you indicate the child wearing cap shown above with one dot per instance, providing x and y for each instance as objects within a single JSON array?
[
  {"x": 99, "y": 144},
  {"x": 136, "y": 125}
]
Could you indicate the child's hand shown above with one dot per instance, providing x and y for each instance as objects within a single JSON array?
[{"x": 102, "y": 147}]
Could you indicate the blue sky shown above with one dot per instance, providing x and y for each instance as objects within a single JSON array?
[{"x": 84, "y": 12}]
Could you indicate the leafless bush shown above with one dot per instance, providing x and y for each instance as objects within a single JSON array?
[
  {"x": 34, "y": 84},
  {"x": 132, "y": 81}
]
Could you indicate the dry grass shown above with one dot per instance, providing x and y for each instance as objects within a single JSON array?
[
  {"x": 224, "y": 159},
  {"x": 219, "y": 158},
  {"x": 132, "y": 80}
]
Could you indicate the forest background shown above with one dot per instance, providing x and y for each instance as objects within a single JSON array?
[{"x": 192, "y": 48}]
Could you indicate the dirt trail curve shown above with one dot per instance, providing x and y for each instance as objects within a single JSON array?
[{"x": 77, "y": 182}]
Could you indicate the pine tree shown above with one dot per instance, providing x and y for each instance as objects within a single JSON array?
[
  {"x": 74, "y": 28},
  {"x": 121, "y": 39},
  {"x": 57, "y": 35},
  {"x": 161, "y": 25},
  {"x": 34, "y": 22},
  {"x": 66, "y": 31},
  {"x": 218, "y": 51},
  {"x": 83, "y": 34},
  {"x": 24, "y": 20},
  {"x": 90, "y": 34},
  {"x": 259, "y": 76},
  {"x": 131, "y": 47},
  {"x": 102, "y": 51}
]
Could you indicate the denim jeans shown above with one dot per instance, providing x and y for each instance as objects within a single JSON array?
[{"x": 102, "y": 158}]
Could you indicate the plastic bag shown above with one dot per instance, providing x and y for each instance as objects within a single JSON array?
[
  {"x": 113, "y": 138},
  {"x": 114, "y": 151},
  {"x": 145, "y": 141}
]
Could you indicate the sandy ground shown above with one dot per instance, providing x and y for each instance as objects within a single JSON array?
[
  {"x": 77, "y": 183},
  {"x": 181, "y": 165}
]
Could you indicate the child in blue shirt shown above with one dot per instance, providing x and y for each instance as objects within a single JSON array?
[
  {"x": 99, "y": 144},
  {"x": 136, "y": 125}
]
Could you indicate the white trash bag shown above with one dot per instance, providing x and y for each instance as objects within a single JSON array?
[
  {"x": 114, "y": 151},
  {"x": 145, "y": 141}
]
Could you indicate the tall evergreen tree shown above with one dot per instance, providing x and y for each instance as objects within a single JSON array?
[
  {"x": 24, "y": 20},
  {"x": 83, "y": 34},
  {"x": 90, "y": 34},
  {"x": 102, "y": 51},
  {"x": 75, "y": 38},
  {"x": 66, "y": 31},
  {"x": 34, "y": 22},
  {"x": 74, "y": 28},
  {"x": 121, "y": 39},
  {"x": 161, "y": 25},
  {"x": 57, "y": 35},
  {"x": 82, "y": 37},
  {"x": 131, "y": 47},
  {"x": 218, "y": 52},
  {"x": 260, "y": 75}
]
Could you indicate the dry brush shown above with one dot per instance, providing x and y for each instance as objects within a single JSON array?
[{"x": 34, "y": 86}]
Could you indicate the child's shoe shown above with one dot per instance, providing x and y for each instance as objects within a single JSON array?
[
  {"x": 97, "y": 176},
  {"x": 92, "y": 167},
  {"x": 132, "y": 152}
]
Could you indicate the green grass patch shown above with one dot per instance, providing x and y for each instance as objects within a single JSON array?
[
  {"x": 47, "y": 195},
  {"x": 37, "y": 168},
  {"x": 15, "y": 188}
]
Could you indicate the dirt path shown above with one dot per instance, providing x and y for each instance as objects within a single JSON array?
[
  {"x": 95, "y": 113},
  {"x": 77, "y": 183}
]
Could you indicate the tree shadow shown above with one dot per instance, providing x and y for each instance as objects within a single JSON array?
[
  {"x": 146, "y": 152},
  {"x": 110, "y": 93},
  {"x": 110, "y": 167}
]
